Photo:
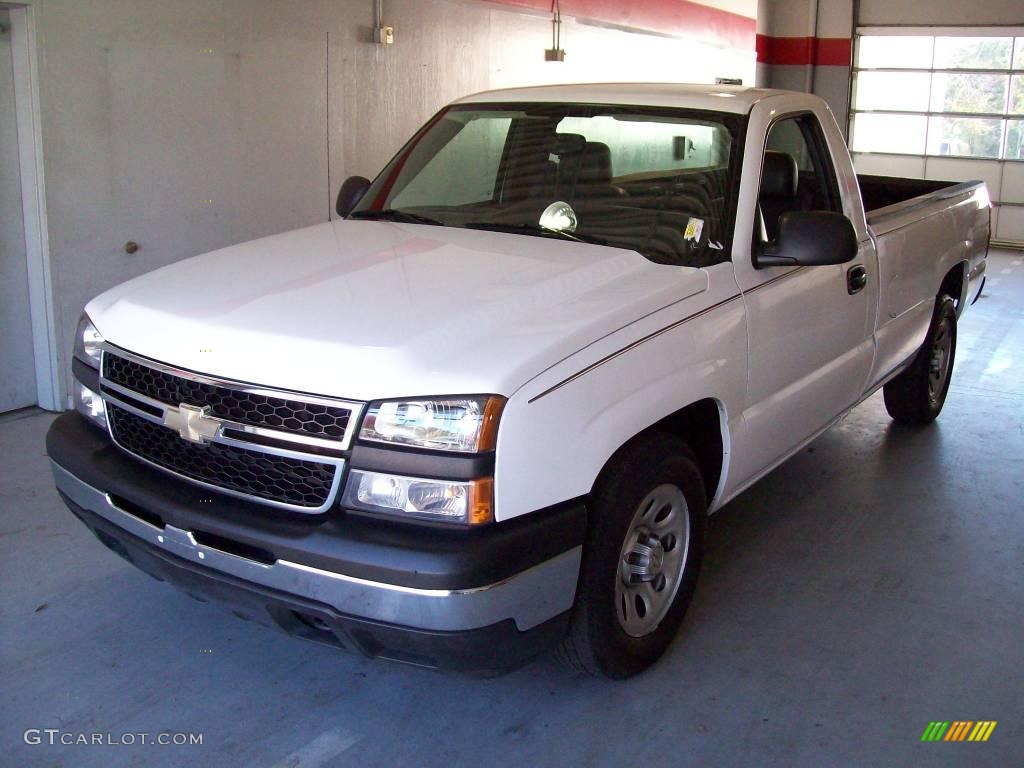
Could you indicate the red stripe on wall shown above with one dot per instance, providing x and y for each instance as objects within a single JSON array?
[
  {"x": 803, "y": 51},
  {"x": 682, "y": 18}
]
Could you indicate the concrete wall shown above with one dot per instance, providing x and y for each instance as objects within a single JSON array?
[
  {"x": 17, "y": 375},
  {"x": 805, "y": 45},
  {"x": 444, "y": 50},
  {"x": 189, "y": 125}
]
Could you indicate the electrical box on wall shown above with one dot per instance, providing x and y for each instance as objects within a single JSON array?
[
  {"x": 384, "y": 35},
  {"x": 555, "y": 52}
]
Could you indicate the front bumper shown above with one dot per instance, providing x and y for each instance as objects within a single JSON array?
[{"x": 495, "y": 620}]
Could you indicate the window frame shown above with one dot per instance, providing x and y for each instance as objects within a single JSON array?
[{"x": 817, "y": 146}]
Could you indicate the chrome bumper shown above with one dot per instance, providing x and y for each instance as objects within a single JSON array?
[{"x": 530, "y": 598}]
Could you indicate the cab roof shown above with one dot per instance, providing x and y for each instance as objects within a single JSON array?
[{"x": 716, "y": 98}]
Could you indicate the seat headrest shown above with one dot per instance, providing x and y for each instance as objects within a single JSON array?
[
  {"x": 780, "y": 175},
  {"x": 569, "y": 144},
  {"x": 597, "y": 163}
]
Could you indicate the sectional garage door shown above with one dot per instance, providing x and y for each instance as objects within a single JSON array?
[{"x": 945, "y": 105}]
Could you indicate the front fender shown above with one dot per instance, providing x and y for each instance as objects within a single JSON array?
[{"x": 559, "y": 431}]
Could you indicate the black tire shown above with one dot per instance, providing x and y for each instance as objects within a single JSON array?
[
  {"x": 597, "y": 642},
  {"x": 917, "y": 395}
]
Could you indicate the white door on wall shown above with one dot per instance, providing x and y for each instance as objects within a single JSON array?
[{"x": 17, "y": 373}]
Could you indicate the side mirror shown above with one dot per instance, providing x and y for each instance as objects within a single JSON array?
[
  {"x": 810, "y": 239},
  {"x": 350, "y": 194}
]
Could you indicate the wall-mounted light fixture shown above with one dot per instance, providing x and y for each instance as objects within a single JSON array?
[{"x": 555, "y": 52}]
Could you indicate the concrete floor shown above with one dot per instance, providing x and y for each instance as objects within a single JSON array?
[{"x": 872, "y": 584}]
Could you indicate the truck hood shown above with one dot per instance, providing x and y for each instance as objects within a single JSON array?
[{"x": 370, "y": 310}]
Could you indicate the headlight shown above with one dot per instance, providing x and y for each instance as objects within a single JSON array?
[
  {"x": 463, "y": 424},
  {"x": 90, "y": 405},
  {"x": 469, "y": 503},
  {"x": 87, "y": 342}
]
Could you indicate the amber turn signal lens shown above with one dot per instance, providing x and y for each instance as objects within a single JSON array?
[
  {"x": 481, "y": 502},
  {"x": 488, "y": 439}
]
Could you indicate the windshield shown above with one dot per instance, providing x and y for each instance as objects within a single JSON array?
[{"x": 657, "y": 181}]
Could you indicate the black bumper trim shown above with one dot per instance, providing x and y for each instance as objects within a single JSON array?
[
  {"x": 403, "y": 461},
  {"x": 485, "y": 651},
  {"x": 87, "y": 375},
  {"x": 405, "y": 555}
]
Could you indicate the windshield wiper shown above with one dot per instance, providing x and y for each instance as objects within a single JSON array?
[
  {"x": 393, "y": 214},
  {"x": 535, "y": 229}
]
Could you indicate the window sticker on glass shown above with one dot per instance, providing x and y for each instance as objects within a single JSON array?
[{"x": 694, "y": 227}]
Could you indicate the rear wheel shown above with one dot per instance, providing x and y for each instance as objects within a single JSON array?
[
  {"x": 917, "y": 395},
  {"x": 641, "y": 560}
]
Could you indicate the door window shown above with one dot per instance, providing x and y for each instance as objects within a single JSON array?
[{"x": 796, "y": 174}]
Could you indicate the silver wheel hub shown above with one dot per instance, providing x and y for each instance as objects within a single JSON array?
[
  {"x": 938, "y": 368},
  {"x": 652, "y": 560},
  {"x": 645, "y": 560}
]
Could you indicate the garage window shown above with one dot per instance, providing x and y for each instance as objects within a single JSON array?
[
  {"x": 945, "y": 104},
  {"x": 939, "y": 95}
]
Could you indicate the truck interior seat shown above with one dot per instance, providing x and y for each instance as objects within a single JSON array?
[
  {"x": 595, "y": 177},
  {"x": 779, "y": 181},
  {"x": 582, "y": 169}
]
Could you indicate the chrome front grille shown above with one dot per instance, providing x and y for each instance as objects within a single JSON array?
[
  {"x": 296, "y": 482},
  {"x": 280, "y": 448},
  {"x": 257, "y": 409}
]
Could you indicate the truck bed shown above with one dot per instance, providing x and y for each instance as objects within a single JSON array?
[{"x": 891, "y": 196}]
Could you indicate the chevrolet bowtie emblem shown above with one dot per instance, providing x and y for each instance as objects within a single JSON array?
[{"x": 192, "y": 422}]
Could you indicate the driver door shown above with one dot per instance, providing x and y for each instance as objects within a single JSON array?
[{"x": 810, "y": 345}]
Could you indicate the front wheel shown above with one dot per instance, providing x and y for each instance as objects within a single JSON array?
[
  {"x": 641, "y": 559},
  {"x": 917, "y": 395}
]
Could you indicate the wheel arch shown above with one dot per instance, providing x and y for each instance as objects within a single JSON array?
[
  {"x": 702, "y": 425},
  {"x": 955, "y": 284}
]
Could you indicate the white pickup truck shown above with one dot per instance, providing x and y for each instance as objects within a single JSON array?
[{"x": 488, "y": 410}]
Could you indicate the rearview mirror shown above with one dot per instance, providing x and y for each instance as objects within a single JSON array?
[
  {"x": 351, "y": 193},
  {"x": 810, "y": 239}
]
